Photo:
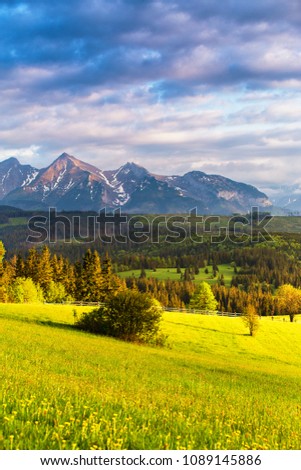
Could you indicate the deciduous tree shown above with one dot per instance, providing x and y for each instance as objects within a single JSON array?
[
  {"x": 289, "y": 300},
  {"x": 251, "y": 319},
  {"x": 203, "y": 298}
]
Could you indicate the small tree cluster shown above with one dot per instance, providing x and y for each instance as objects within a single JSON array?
[{"x": 24, "y": 290}]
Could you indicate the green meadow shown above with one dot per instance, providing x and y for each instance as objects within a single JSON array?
[
  {"x": 212, "y": 387},
  {"x": 163, "y": 274},
  {"x": 15, "y": 222}
]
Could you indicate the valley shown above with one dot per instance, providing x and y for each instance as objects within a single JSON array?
[{"x": 214, "y": 387}]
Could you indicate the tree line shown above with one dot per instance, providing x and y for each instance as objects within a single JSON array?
[
  {"x": 258, "y": 272},
  {"x": 39, "y": 275}
]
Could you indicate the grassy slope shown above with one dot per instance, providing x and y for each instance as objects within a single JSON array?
[
  {"x": 215, "y": 388},
  {"x": 171, "y": 273},
  {"x": 15, "y": 222}
]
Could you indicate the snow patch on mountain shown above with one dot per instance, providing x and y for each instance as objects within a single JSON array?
[
  {"x": 31, "y": 177},
  {"x": 71, "y": 184}
]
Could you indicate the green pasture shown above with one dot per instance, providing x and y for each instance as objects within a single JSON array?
[
  {"x": 164, "y": 274},
  {"x": 15, "y": 221},
  {"x": 212, "y": 387}
]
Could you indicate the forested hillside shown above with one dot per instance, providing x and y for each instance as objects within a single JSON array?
[{"x": 254, "y": 272}]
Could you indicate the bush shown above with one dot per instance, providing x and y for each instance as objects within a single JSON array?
[{"x": 129, "y": 315}]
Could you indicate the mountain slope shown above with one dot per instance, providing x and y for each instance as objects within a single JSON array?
[
  {"x": 66, "y": 183},
  {"x": 125, "y": 181},
  {"x": 287, "y": 197},
  {"x": 153, "y": 196},
  {"x": 71, "y": 184},
  {"x": 217, "y": 194},
  {"x": 14, "y": 175}
]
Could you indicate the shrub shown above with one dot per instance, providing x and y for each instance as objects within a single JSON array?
[{"x": 129, "y": 315}]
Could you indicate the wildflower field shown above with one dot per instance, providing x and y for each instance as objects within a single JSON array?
[{"x": 213, "y": 387}]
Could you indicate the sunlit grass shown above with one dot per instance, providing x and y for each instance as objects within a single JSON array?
[
  {"x": 56, "y": 313},
  {"x": 215, "y": 387},
  {"x": 164, "y": 274}
]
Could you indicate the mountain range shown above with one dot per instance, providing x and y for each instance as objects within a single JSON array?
[
  {"x": 287, "y": 197},
  {"x": 70, "y": 184}
]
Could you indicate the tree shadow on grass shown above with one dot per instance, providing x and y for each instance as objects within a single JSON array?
[
  {"x": 52, "y": 324},
  {"x": 224, "y": 332},
  {"x": 35, "y": 321},
  {"x": 200, "y": 327}
]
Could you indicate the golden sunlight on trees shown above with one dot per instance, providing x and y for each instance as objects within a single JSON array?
[
  {"x": 251, "y": 319},
  {"x": 203, "y": 298},
  {"x": 289, "y": 300}
]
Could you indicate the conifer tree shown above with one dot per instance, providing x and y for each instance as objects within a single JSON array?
[
  {"x": 58, "y": 268},
  {"x": 86, "y": 276},
  {"x": 3, "y": 280},
  {"x": 2, "y": 252},
  {"x": 97, "y": 278},
  {"x": 44, "y": 268},
  {"x": 142, "y": 274},
  {"x": 20, "y": 266},
  {"x": 70, "y": 280},
  {"x": 111, "y": 283},
  {"x": 91, "y": 278},
  {"x": 31, "y": 265}
]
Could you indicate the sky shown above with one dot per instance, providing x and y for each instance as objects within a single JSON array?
[{"x": 172, "y": 85}]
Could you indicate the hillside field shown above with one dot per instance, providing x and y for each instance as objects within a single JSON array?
[
  {"x": 213, "y": 387},
  {"x": 163, "y": 274}
]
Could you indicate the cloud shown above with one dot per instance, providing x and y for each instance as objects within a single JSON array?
[
  {"x": 126, "y": 42},
  {"x": 173, "y": 85}
]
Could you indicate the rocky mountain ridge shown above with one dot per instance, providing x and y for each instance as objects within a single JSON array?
[{"x": 71, "y": 184}]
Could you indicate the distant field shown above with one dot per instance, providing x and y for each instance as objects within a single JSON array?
[
  {"x": 171, "y": 273},
  {"x": 15, "y": 221},
  {"x": 281, "y": 224},
  {"x": 215, "y": 387}
]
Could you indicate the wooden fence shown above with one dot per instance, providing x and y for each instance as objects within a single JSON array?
[
  {"x": 202, "y": 312},
  {"x": 167, "y": 309}
]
